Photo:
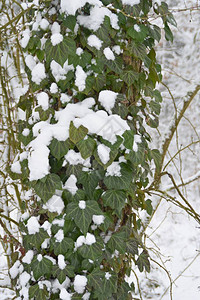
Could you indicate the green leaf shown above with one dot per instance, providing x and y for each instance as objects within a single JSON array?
[
  {"x": 89, "y": 182},
  {"x": 155, "y": 32},
  {"x": 137, "y": 50},
  {"x": 77, "y": 134},
  {"x": 149, "y": 207},
  {"x": 123, "y": 292},
  {"x": 168, "y": 33},
  {"x": 61, "y": 274},
  {"x": 35, "y": 240},
  {"x": 118, "y": 242},
  {"x": 129, "y": 77},
  {"x": 157, "y": 157},
  {"x": 61, "y": 51},
  {"x": 41, "y": 268},
  {"x": 45, "y": 187},
  {"x": 109, "y": 286},
  {"x": 138, "y": 35},
  {"x": 59, "y": 148},
  {"x": 70, "y": 22},
  {"x": 123, "y": 182},
  {"x": 95, "y": 279},
  {"x": 83, "y": 217},
  {"x": 128, "y": 139},
  {"x": 132, "y": 246},
  {"x": 63, "y": 246},
  {"x": 35, "y": 292},
  {"x": 155, "y": 107},
  {"x": 93, "y": 251},
  {"x": 86, "y": 147},
  {"x": 115, "y": 199},
  {"x": 143, "y": 262}
]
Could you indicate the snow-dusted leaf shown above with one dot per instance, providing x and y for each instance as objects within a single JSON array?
[
  {"x": 77, "y": 134},
  {"x": 86, "y": 147},
  {"x": 115, "y": 199},
  {"x": 35, "y": 240},
  {"x": 118, "y": 242},
  {"x": 63, "y": 246},
  {"x": 132, "y": 246},
  {"x": 59, "y": 148},
  {"x": 61, "y": 274},
  {"x": 41, "y": 268},
  {"x": 61, "y": 51},
  {"x": 83, "y": 217},
  {"x": 93, "y": 251},
  {"x": 35, "y": 292},
  {"x": 122, "y": 181},
  {"x": 46, "y": 187}
]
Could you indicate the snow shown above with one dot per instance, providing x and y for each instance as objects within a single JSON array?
[
  {"x": 94, "y": 41},
  {"x": 107, "y": 99},
  {"x": 136, "y": 28},
  {"x": 80, "y": 78},
  {"x": 64, "y": 98},
  {"x": 107, "y": 275},
  {"x": 28, "y": 257},
  {"x": 26, "y": 37},
  {"x": 70, "y": 184},
  {"x": 54, "y": 204},
  {"x": 25, "y": 132},
  {"x": 58, "y": 71},
  {"x": 30, "y": 62},
  {"x": 59, "y": 236},
  {"x": 137, "y": 140},
  {"x": 114, "y": 169},
  {"x": 98, "y": 219},
  {"x": 38, "y": 73},
  {"x": 38, "y": 162},
  {"x": 103, "y": 153},
  {"x": 43, "y": 100},
  {"x": 116, "y": 49},
  {"x": 70, "y": 7},
  {"x": 88, "y": 240},
  {"x": 55, "y": 28},
  {"x": 64, "y": 295},
  {"x": 109, "y": 54},
  {"x": 53, "y": 88},
  {"x": 96, "y": 18},
  {"x": 15, "y": 269},
  {"x": 61, "y": 262},
  {"x": 74, "y": 158},
  {"x": 44, "y": 24},
  {"x": 56, "y": 39},
  {"x": 39, "y": 257},
  {"x": 130, "y": 2},
  {"x": 80, "y": 283},
  {"x": 86, "y": 296},
  {"x": 33, "y": 225},
  {"x": 16, "y": 167},
  {"x": 82, "y": 204},
  {"x": 79, "y": 51}
]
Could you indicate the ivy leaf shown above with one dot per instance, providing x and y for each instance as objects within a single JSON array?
[
  {"x": 168, "y": 33},
  {"x": 63, "y": 246},
  {"x": 45, "y": 187},
  {"x": 143, "y": 262},
  {"x": 156, "y": 155},
  {"x": 61, "y": 274},
  {"x": 69, "y": 22},
  {"x": 123, "y": 181},
  {"x": 123, "y": 292},
  {"x": 128, "y": 139},
  {"x": 109, "y": 285},
  {"x": 129, "y": 77},
  {"x": 93, "y": 251},
  {"x": 137, "y": 50},
  {"x": 83, "y": 217},
  {"x": 41, "y": 268},
  {"x": 149, "y": 207},
  {"x": 77, "y": 134},
  {"x": 115, "y": 199},
  {"x": 35, "y": 292},
  {"x": 35, "y": 240},
  {"x": 89, "y": 182},
  {"x": 59, "y": 148},
  {"x": 86, "y": 147},
  {"x": 132, "y": 246},
  {"x": 61, "y": 51},
  {"x": 118, "y": 242},
  {"x": 95, "y": 279},
  {"x": 138, "y": 35}
]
